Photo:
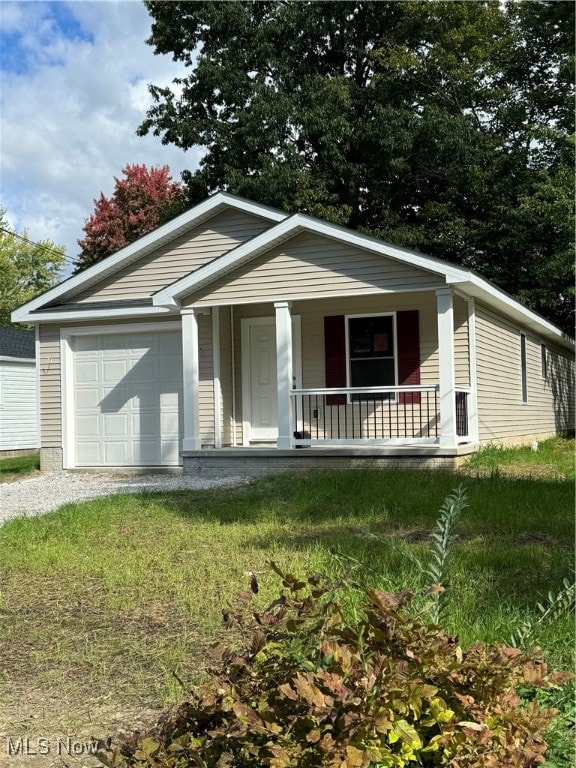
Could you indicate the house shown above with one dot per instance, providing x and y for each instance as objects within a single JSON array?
[
  {"x": 238, "y": 339},
  {"x": 18, "y": 393}
]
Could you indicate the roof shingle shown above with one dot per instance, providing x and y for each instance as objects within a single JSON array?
[{"x": 16, "y": 342}]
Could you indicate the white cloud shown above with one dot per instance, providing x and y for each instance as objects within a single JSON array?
[{"x": 70, "y": 108}]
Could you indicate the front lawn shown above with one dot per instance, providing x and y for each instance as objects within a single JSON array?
[{"x": 105, "y": 605}]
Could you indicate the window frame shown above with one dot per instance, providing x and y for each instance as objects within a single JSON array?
[
  {"x": 523, "y": 369},
  {"x": 347, "y": 318}
]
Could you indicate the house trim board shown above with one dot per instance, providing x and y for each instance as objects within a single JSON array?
[
  {"x": 95, "y": 314},
  {"x": 445, "y": 313},
  {"x": 216, "y": 374},
  {"x": 473, "y": 428},
  {"x": 67, "y": 374},
  {"x": 8, "y": 359}
]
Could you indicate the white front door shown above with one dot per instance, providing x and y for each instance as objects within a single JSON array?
[{"x": 259, "y": 382}]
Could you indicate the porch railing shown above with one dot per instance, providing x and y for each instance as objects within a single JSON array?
[
  {"x": 378, "y": 415},
  {"x": 462, "y": 421}
]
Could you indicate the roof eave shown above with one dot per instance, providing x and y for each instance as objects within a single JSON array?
[{"x": 479, "y": 288}]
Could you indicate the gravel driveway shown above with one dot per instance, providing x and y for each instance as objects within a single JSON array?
[{"x": 50, "y": 490}]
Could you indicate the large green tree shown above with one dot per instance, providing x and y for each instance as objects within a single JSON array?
[
  {"x": 27, "y": 269},
  {"x": 444, "y": 126}
]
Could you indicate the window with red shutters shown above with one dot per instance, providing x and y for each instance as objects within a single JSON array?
[{"x": 372, "y": 353}]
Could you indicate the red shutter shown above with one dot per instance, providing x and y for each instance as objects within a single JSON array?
[
  {"x": 408, "y": 335},
  {"x": 335, "y": 356}
]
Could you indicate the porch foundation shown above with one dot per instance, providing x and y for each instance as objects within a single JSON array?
[
  {"x": 257, "y": 462},
  {"x": 51, "y": 459}
]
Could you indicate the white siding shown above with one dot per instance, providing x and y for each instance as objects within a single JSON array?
[
  {"x": 18, "y": 406},
  {"x": 308, "y": 266},
  {"x": 174, "y": 260},
  {"x": 502, "y": 414}
]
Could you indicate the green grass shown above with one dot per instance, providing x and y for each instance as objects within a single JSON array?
[
  {"x": 553, "y": 458},
  {"x": 18, "y": 465},
  {"x": 109, "y": 598}
]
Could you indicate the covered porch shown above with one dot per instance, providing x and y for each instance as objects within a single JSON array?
[{"x": 269, "y": 372}]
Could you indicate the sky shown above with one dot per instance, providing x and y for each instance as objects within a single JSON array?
[{"x": 73, "y": 90}]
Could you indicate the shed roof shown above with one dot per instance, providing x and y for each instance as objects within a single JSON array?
[{"x": 17, "y": 342}]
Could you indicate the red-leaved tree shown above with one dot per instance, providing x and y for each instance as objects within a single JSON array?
[{"x": 142, "y": 201}]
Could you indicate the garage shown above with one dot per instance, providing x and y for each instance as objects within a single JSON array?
[{"x": 127, "y": 389}]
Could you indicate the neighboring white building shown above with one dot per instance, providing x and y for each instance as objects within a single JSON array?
[{"x": 18, "y": 392}]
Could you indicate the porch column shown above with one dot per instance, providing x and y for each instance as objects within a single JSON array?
[
  {"x": 473, "y": 396},
  {"x": 191, "y": 381},
  {"x": 217, "y": 382},
  {"x": 445, "y": 308},
  {"x": 284, "y": 372}
]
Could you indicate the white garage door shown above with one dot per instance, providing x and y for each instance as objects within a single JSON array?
[{"x": 127, "y": 392}]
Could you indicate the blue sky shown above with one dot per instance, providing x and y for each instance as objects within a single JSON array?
[{"x": 73, "y": 90}]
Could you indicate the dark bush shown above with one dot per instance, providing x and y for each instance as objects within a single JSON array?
[{"x": 309, "y": 689}]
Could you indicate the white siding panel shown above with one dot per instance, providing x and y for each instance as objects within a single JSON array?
[
  {"x": 18, "y": 406},
  {"x": 310, "y": 265},
  {"x": 177, "y": 259},
  {"x": 502, "y": 414}
]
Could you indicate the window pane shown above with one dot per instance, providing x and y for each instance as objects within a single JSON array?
[
  {"x": 372, "y": 373},
  {"x": 523, "y": 368},
  {"x": 371, "y": 336}
]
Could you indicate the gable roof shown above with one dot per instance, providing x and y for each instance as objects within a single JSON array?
[
  {"x": 283, "y": 227},
  {"x": 285, "y": 230},
  {"x": 17, "y": 343},
  {"x": 466, "y": 281},
  {"x": 164, "y": 234}
]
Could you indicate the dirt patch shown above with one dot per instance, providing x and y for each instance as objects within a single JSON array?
[
  {"x": 13, "y": 477},
  {"x": 42, "y": 729}
]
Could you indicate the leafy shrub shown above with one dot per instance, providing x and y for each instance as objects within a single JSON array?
[{"x": 309, "y": 689}]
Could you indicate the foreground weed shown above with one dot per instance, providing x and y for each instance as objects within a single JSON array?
[{"x": 556, "y": 606}]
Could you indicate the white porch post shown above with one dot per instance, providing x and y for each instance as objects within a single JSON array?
[
  {"x": 217, "y": 382},
  {"x": 473, "y": 396},
  {"x": 284, "y": 372},
  {"x": 191, "y": 380},
  {"x": 445, "y": 308}
]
